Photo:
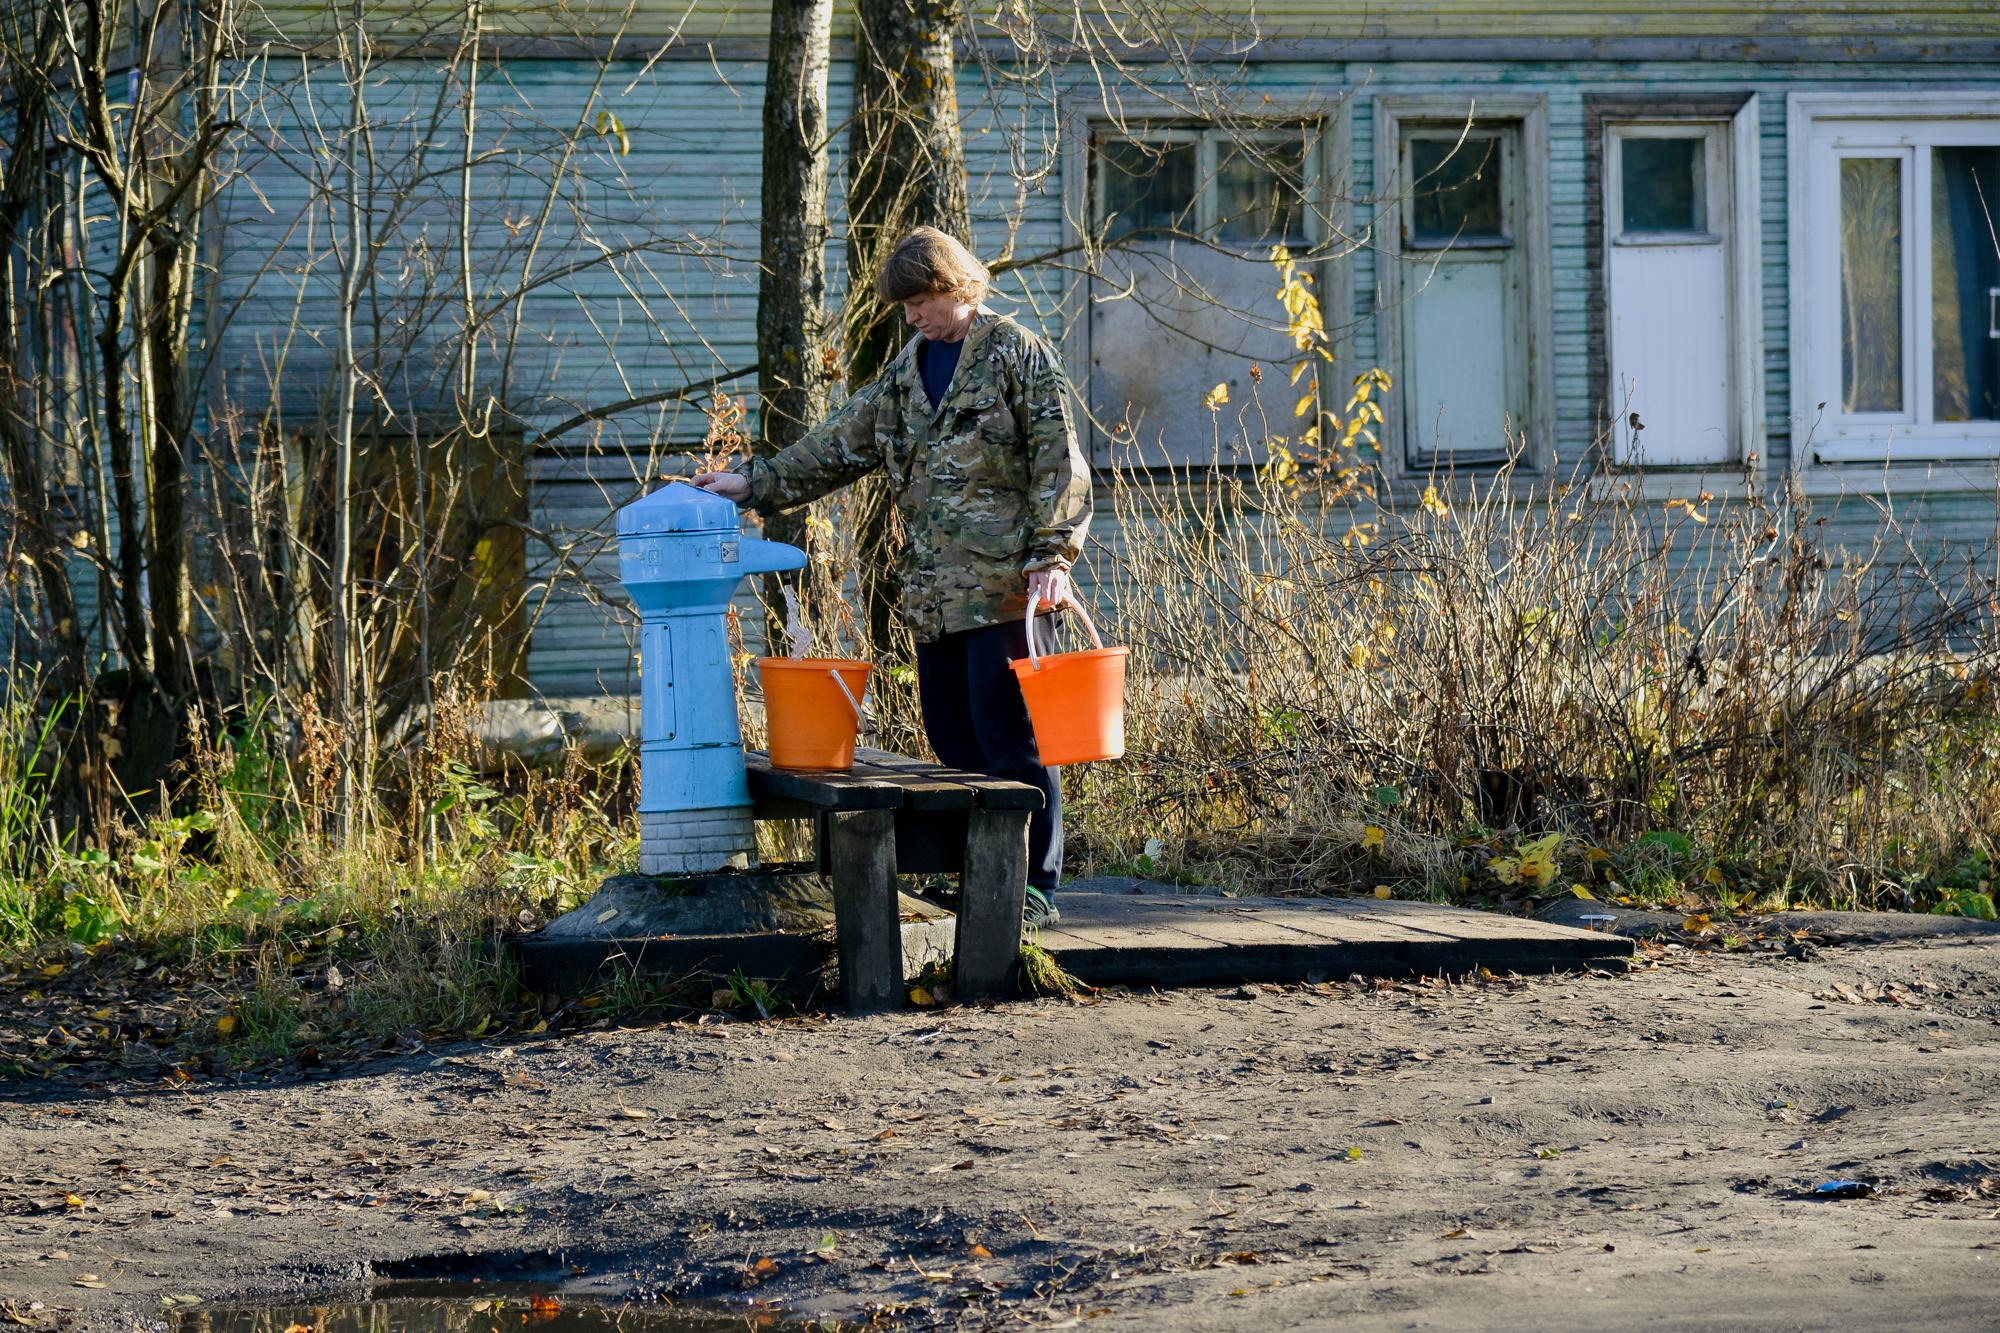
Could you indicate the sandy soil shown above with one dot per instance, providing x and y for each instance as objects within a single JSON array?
[{"x": 1575, "y": 1151}]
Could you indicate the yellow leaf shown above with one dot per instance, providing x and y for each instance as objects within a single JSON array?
[
  {"x": 1434, "y": 503},
  {"x": 922, "y": 998},
  {"x": 1373, "y": 837},
  {"x": 225, "y": 1025},
  {"x": 1304, "y": 405},
  {"x": 73, "y": 1201},
  {"x": 1216, "y": 397},
  {"x": 1698, "y": 922},
  {"x": 1714, "y": 875},
  {"x": 1579, "y": 891},
  {"x": 1383, "y": 891},
  {"x": 980, "y": 1252}
]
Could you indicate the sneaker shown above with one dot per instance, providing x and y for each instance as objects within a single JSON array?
[{"x": 1039, "y": 910}]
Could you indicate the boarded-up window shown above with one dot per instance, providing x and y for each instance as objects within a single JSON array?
[{"x": 1184, "y": 299}]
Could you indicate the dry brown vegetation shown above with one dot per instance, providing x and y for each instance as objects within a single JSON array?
[{"x": 1700, "y": 699}]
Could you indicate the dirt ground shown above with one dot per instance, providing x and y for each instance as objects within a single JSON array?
[{"x": 1575, "y": 1151}]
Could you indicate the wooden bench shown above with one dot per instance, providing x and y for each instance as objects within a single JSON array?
[{"x": 891, "y": 815}]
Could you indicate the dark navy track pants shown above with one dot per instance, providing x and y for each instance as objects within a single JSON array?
[{"x": 976, "y": 720}]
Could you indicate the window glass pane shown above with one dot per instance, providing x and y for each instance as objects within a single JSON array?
[
  {"x": 1871, "y": 284},
  {"x": 1455, "y": 190},
  {"x": 1147, "y": 185},
  {"x": 1965, "y": 283},
  {"x": 1661, "y": 181},
  {"x": 1259, "y": 191}
]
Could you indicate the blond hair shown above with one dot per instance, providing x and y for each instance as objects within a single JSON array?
[{"x": 928, "y": 262}]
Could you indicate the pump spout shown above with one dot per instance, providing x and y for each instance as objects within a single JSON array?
[{"x": 758, "y": 556}]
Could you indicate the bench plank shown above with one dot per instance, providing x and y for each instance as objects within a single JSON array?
[
  {"x": 822, "y": 789},
  {"x": 923, "y": 789},
  {"x": 992, "y": 793}
]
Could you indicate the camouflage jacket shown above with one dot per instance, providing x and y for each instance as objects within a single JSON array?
[{"x": 990, "y": 485}]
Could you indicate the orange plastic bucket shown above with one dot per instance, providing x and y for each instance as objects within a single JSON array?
[
  {"x": 1076, "y": 700},
  {"x": 813, "y": 708}
]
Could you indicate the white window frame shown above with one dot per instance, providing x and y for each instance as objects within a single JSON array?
[
  {"x": 1088, "y": 118},
  {"x": 1903, "y": 448},
  {"x": 1392, "y": 111},
  {"x": 1736, "y": 222}
]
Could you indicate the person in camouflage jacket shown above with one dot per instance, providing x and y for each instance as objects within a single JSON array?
[{"x": 971, "y": 423}]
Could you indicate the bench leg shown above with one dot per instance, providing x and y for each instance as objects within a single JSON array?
[
  {"x": 867, "y": 916},
  {"x": 991, "y": 894}
]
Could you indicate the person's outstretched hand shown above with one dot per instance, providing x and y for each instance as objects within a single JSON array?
[
  {"x": 1050, "y": 587},
  {"x": 728, "y": 485}
]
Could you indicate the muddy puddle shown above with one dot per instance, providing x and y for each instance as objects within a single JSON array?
[{"x": 481, "y": 1308}]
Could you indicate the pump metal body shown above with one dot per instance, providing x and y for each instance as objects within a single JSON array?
[{"x": 681, "y": 554}]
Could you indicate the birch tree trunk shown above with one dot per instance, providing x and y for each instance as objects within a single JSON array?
[
  {"x": 906, "y": 168},
  {"x": 792, "y": 376}
]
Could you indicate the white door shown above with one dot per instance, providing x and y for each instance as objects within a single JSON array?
[
  {"x": 1667, "y": 278},
  {"x": 1464, "y": 358}
]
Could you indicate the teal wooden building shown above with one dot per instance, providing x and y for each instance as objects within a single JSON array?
[{"x": 1700, "y": 245}]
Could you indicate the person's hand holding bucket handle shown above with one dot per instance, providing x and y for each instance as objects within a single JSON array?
[
  {"x": 1050, "y": 587},
  {"x": 728, "y": 485}
]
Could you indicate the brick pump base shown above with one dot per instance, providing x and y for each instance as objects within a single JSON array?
[{"x": 696, "y": 842}]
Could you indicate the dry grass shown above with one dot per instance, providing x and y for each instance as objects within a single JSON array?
[
  {"x": 280, "y": 937},
  {"x": 1697, "y": 698}
]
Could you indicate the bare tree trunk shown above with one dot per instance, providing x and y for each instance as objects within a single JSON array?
[
  {"x": 167, "y": 583},
  {"x": 341, "y": 646},
  {"x": 791, "y": 291},
  {"x": 22, "y": 188},
  {"x": 906, "y": 168}
]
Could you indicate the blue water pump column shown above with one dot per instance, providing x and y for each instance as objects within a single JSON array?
[{"x": 681, "y": 553}]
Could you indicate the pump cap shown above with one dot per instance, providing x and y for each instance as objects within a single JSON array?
[{"x": 678, "y": 507}]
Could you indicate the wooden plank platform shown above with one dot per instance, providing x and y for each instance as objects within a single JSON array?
[{"x": 1148, "y": 937}]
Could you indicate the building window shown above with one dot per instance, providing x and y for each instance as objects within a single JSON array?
[
  {"x": 1244, "y": 190},
  {"x": 1901, "y": 288},
  {"x": 1464, "y": 352},
  {"x": 1183, "y": 298}
]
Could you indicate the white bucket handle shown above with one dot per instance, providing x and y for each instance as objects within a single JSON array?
[
  {"x": 852, "y": 702},
  {"x": 1035, "y": 658}
]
